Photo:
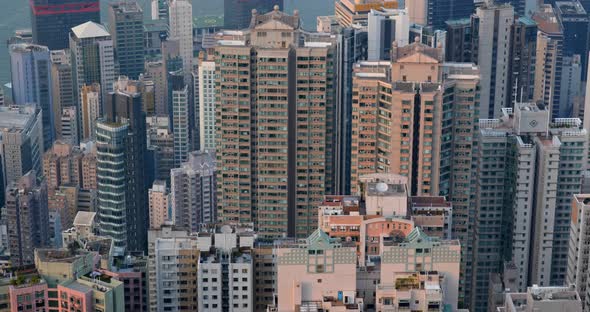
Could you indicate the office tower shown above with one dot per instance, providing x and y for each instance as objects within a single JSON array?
[
  {"x": 577, "y": 269},
  {"x": 22, "y": 142},
  {"x": 161, "y": 140},
  {"x": 172, "y": 269},
  {"x": 52, "y": 20},
  {"x": 226, "y": 249},
  {"x": 180, "y": 116},
  {"x": 156, "y": 72},
  {"x": 68, "y": 131},
  {"x": 126, "y": 28},
  {"x": 458, "y": 45},
  {"x": 30, "y": 66},
  {"x": 316, "y": 268},
  {"x": 384, "y": 28},
  {"x": 62, "y": 85},
  {"x": 434, "y": 38},
  {"x": 352, "y": 48},
  {"x": 181, "y": 29},
  {"x": 259, "y": 169},
  {"x": 571, "y": 85},
  {"x": 535, "y": 298},
  {"x": 25, "y": 212},
  {"x": 527, "y": 169},
  {"x": 192, "y": 192},
  {"x": 575, "y": 21},
  {"x": 237, "y": 14},
  {"x": 122, "y": 169},
  {"x": 548, "y": 59},
  {"x": 148, "y": 92},
  {"x": 206, "y": 102},
  {"x": 160, "y": 10},
  {"x": 436, "y": 13},
  {"x": 523, "y": 49},
  {"x": 93, "y": 58},
  {"x": 155, "y": 32},
  {"x": 159, "y": 200},
  {"x": 350, "y": 12},
  {"x": 491, "y": 27},
  {"x": 90, "y": 107}
]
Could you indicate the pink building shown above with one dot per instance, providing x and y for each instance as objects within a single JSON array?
[
  {"x": 317, "y": 273},
  {"x": 75, "y": 297},
  {"x": 159, "y": 201},
  {"x": 29, "y": 296}
]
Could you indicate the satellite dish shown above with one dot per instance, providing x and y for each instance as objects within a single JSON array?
[
  {"x": 226, "y": 229},
  {"x": 382, "y": 187}
]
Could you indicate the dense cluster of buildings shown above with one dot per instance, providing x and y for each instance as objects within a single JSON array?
[{"x": 419, "y": 156}]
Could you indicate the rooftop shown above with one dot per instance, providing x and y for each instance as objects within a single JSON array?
[
  {"x": 570, "y": 7},
  {"x": 27, "y": 47},
  {"x": 275, "y": 14},
  {"x": 57, "y": 255},
  {"x": 386, "y": 189},
  {"x": 90, "y": 30},
  {"x": 84, "y": 218},
  {"x": 16, "y": 117}
]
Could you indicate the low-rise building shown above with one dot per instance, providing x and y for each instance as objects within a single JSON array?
[{"x": 543, "y": 299}]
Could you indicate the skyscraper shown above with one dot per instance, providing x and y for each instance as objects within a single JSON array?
[
  {"x": 491, "y": 26},
  {"x": 93, "y": 58},
  {"x": 206, "y": 100},
  {"x": 62, "y": 85},
  {"x": 238, "y": 13},
  {"x": 436, "y": 13},
  {"x": 180, "y": 118},
  {"x": 22, "y": 142},
  {"x": 68, "y": 131},
  {"x": 575, "y": 21},
  {"x": 159, "y": 200},
  {"x": 90, "y": 110},
  {"x": 181, "y": 29},
  {"x": 30, "y": 66},
  {"x": 528, "y": 169},
  {"x": 549, "y": 59},
  {"x": 122, "y": 169},
  {"x": 262, "y": 168},
  {"x": 384, "y": 28},
  {"x": 350, "y": 12},
  {"x": 523, "y": 50},
  {"x": 193, "y": 190},
  {"x": 352, "y": 48},
  {"x": 52, "y": 20},
  {"x": 126, "y": 28},
  {"x": 27, "y": 218}
]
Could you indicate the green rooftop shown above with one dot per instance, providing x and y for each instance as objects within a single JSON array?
[{"x": 208, "y": 21}]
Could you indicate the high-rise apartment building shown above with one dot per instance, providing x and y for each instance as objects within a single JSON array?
[
  {"x": 159, "y": 200},
  {"x": 350, "y": 12},
  {"x": 30, "y": 66},
  {"x": 193, "y": 190},
  {"x": 523, "y": 50},
  {"x": 575, "y": 21},
  {"x": 180, "y": 117},
  {"x": 238, "y": 13},
  {"x": 527, "y": 172},
  {"x": 93, "y": 58},
  {"x": 161, "y": 140},
  {"x": 90, "y": 110},
  {"x": 68, "y": 165},
  {"x": 577, "y": 269},
  {"x": 571, "y": 85},
  {"x": 122, "y": 169},
  {"x": 26, "y": 216},
  {"x": 181, "y": 29},
  {"x": 172, "y": 268},
  {"x": 68, "y": 131},
  {"x": 52, "y": 20},
  {"x": 385, "y": 27},
  {"x": 262, "y": 168},
  {"x": 491, "y": 26},
  {"x": 549, "y": 59},
  {"x": 156, "y": 72},
  {"x": 22, "y": 142},
  {"x": 62, "y": 85},
  {"x": 206, "y": 100}
]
